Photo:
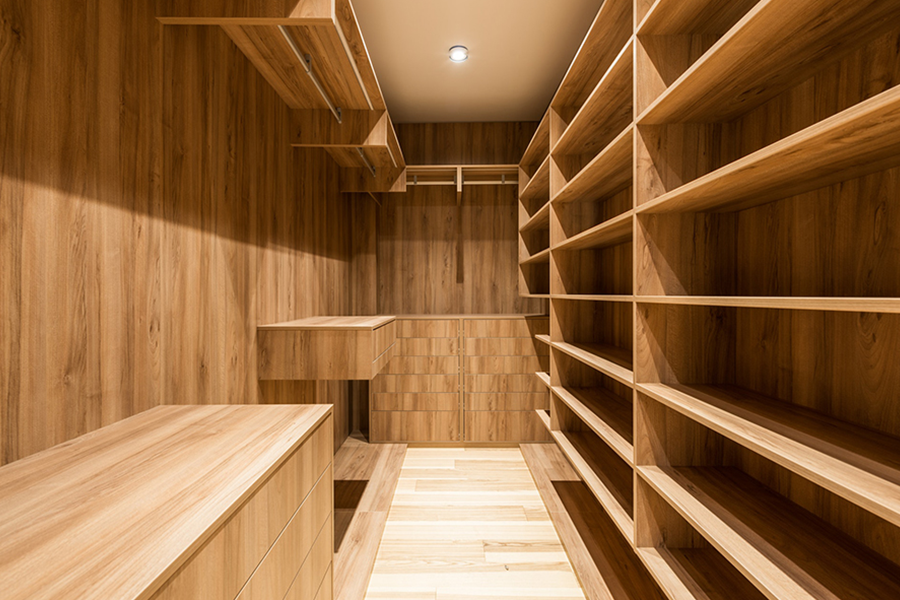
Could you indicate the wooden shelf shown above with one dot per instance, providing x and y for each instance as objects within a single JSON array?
[
  {"x": 541, "y": 296},
  {"x": 608, "y": 415},
  {"x": 860, "y": 140},
  {"x": 784, "y": 550},
  {"x": 542, "y": 337},
  {"x": 771, "y": 49},
  {"x": 837, "y": 304},
  {"x": 611, "y": 485},
  {"x": 544, "y": 377},
  {"x": 615, "y": 231},
  {"x": 858, "y": 464},
  {"x": 544, "y": 418},
  {"x": 541, "y": 257},
  {"x": 461, "y": 175},
  {"x": 539, "y": 146},
  {"x": 697, "y": 573},
  {"x": 607, "y": 35},
  {"x": 594, "y": 297},
  {"x": 538, "y": 187},
  {"x": 609, "y": 360},
  {"x": 539, "y": 220},
  {"x": 605, "y": 113},
  {"x": 609, "y": 172},
  {"x": 693, "y": 17}
]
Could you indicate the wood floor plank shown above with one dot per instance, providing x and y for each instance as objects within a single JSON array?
[{"x": 469, "y": 523}]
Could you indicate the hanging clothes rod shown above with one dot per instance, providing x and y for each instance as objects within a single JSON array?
[
  {"x": 306, "y": 61},
  {"x": 369, "y": 166}
]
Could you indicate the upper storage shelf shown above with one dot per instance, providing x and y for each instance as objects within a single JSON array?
[{"x": 313, "y": 54}]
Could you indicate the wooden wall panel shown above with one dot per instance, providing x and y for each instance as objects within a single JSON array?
[
  {"x": 464, "y": 143},
  {"x": 152, "y": 214}
]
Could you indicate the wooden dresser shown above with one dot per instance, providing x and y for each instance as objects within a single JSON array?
[
  {"x": 178, "y": 502},
  {"x": 462, "y": 378}
]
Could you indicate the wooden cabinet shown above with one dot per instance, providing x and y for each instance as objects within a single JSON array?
[
  {"x": 176, "y": 503},
  {"x": 463, "y": 379}
]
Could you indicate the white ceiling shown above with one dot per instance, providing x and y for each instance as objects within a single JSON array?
[{"x": 519, "y": 51}]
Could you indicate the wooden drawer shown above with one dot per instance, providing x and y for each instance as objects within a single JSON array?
[
  {"x": 384, "y": 338},
  {"x": 503, "y": 383},
  {"x": 512, "y": 401},
  {"x": 311, "y": 526},
  {"x": 490, "y": 365},
  {"x": 505, "y": 426},
  {"x": 415, "y": 401},
  {"x": 416, "y": 383},
  {"x": 505, "y": 347},
  {"x": 427, "y": 328},
  {"x": 415, "y": 426},
  {"x": 242, "y": 542},
  {"x": 315, "y": 579},
  {"x": 421, "y": 365},
  {"x": 500, "y": 328},
  {"x": 426, "y": 347}
]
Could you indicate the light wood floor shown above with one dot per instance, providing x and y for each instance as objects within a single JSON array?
[{"x": 469, "y": 523}]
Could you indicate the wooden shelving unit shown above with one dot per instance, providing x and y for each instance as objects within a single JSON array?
[{"x": 710, "y": 200}]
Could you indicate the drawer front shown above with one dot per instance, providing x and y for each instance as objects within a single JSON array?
[
  {"x": 422, "y": 365},
  {"x": 384, "y": 338},
  {"x": 427, "y": 328},
  {"x": 505, "y": 426},
  {"x": 415, "y": 426},
  {"x": 224, "y": 564},
  {"x": 415, "y": 402},
  {"x": 315, "y": 579},
  {"x": 427, "y": 347},
  {"x": 505, "y": 347},
  {"x": 416, "y": 383},
  {"x": 511, "y": 401},
  {"x": 512, "y": 365},
  {"x": 311, "y": 526},
  {"x": 505, "y": 328},
  {"x": 503, "y": 383}
]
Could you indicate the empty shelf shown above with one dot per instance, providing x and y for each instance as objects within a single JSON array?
[
  {"x": 608, "y": 415},
  {"x": 609, "y": 360},
  {"x": 607, "y": 173},
  {"x": 609, "y": 233}
]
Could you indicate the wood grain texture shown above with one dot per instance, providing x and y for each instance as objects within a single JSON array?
[
  {"x": 151, "y": 204},
  {"x": 464, "y": 143},
  {"x": 58, "y": 502}
]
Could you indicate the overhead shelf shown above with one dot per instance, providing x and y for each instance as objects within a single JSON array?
[
  {"x": 860, "y": 140},
  {"x": 609, "y": 360},
  {"x": 609, "y": 233},
  {"x": 773, "y": 47},
  {"x": 608, "y": 415},
  {"x": 609, "y": 172},
  {"x": 783, "y": 550},
  {"x": 858, "y": 464},
  {"x": 461, "y": 175},
  {"x": 606, "y": 112},
  {"x": 834, "y": 304},
  {"x": 686, "y": 17},
  {"x": 363, "y": 139}
]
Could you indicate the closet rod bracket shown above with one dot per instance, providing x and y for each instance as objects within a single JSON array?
[{"x": 306, "y": 61}]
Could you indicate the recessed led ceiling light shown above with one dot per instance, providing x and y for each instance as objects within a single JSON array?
[{"x": 459, "y": 53}]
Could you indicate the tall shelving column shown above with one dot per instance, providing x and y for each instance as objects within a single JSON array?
[
  {"x": 534, "y": 215},
  {"x": 724, "y": 275}
]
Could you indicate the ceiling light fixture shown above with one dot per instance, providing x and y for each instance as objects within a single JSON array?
[{"x": 459, "y": 53}]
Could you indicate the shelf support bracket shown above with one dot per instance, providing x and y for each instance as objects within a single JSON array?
[
  {"x": 365, "y": 160},
  {"x": 306, "y": 61}
]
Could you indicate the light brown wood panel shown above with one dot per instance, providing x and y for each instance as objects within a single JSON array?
[
  {"x": 428, "y": 328},
  {"x": 315, "y": 579},
  {"x": 416, "y": 383},
  {"x": 427, "y": 347},
  {"x": 514, "y": 401},
  {"x": 488, "y": 365},
  {"x": 421, "y": 365},
  {"x": 181, "y": 218},
  {"x": 504, "y": 426},
  {"x": 464, "y": 143},
  {"x": 505, "y": 347},
  {"x": 503, "y": 383},
  {"x": 415, "y": 401},
  {"x": 415, "y": 426},
  {"x": 498, "y": 328}
]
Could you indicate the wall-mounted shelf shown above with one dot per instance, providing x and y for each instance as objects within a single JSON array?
[{"x": 461, "y": 175}]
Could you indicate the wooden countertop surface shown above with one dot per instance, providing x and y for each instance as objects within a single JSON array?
[
  {"x": 112, "y": 514},
  {"x": 312, "y": 323}
]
